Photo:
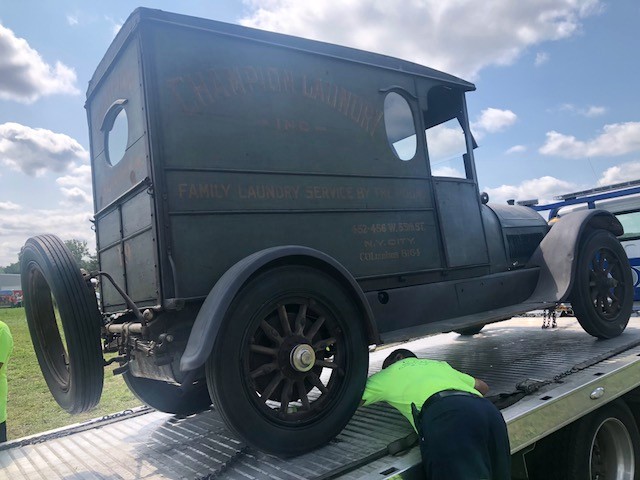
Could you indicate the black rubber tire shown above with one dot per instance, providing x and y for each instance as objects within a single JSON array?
[
  {"x": 470, "y": 330},
  {"x": 604, "y": 444},
  {"x": 74, "y": 372},
  {"x": 169, "y": 398},
  {"x": 298, "y": 422},
  {"x": 602, "y": 292}
]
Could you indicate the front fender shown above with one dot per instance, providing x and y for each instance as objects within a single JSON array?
[
  {"x": 211, "y": 315},
  {"x": 557, "y": 253}
]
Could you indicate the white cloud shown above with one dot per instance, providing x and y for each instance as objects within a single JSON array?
[
  {"x": 543, "y": 188},
  {"x": 448, "y": 172},
  {"x": 516, "y": 149},
  {"x": 76, "y": 186},
  {"x": 116, "y": 25},
  {"x": 541, "y": 58},
  {"x": 594, "y": 111},
  {"x": 69, "y": 219},
  {"x": 445, "y": 141},
  {"x": 9, "y": 206},
  {"x": 25, "y": 76},
  {"x": 492, "y": 120},
  {"x": 76, "y": 195},
  {"x": 615, "y": 139},
  {"x": 24, "y": 223},
  {"x": 79, "y": 176},
  {"x": 34, "y": 151},
  {"x": 459, "y": 37},
  {"x": 590, "y": 111},
  {"x": 620, "y": 173},
  {"x": 72, "y": 19}
]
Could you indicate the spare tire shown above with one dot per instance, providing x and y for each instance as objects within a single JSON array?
[{"x": 71, "y": 361}]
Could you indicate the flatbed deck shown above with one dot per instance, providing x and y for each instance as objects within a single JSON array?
[{"x": 146, "y": 444}]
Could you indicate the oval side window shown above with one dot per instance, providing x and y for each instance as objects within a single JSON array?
[{"x": 400, "y": 127}]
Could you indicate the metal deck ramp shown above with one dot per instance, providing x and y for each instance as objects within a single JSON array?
[{"x": 151, "y": 445}]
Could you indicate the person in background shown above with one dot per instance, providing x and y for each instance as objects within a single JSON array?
[
  {"x": 6, "y": 347},
  {"x": 462, "y": 434}
]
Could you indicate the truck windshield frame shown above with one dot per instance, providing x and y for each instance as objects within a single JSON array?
[{"x": 448, "y": 138}]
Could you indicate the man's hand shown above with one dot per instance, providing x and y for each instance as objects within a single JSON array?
[{"x": 480, "y": 386}]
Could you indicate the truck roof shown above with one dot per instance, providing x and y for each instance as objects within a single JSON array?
[{"x": 143, "y": 15}]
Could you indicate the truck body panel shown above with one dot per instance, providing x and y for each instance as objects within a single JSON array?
[{"x": 196, "y": 190}]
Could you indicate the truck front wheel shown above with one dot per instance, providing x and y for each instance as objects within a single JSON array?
[
  {"x": 602, "y": 292},
  {"x": 290, "y": 362}
]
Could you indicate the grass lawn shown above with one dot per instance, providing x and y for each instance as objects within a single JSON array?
[{"x": 30, "y": 407}]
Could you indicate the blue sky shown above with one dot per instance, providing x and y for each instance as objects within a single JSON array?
[{"x": 557, "y": 106}]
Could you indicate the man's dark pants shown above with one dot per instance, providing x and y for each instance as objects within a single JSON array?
[
  {"x": 465, "y": 438},
  {"x": 3, "y": 432}
]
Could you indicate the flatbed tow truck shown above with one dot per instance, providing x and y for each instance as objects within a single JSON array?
[{"x": 566, "y": 379}]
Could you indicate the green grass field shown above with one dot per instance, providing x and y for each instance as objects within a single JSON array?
[{"x": 30, "y": 407}]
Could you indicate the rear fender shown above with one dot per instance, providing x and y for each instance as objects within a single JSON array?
[
  {"x": 557, "y": 253},
  {"x": 211, "y": 315}
]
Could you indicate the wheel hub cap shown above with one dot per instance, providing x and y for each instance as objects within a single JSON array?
[
  {"x": 303, "y": 358},
  {"x": 604, "y": 284}
]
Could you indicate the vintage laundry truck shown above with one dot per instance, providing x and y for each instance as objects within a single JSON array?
[{"x": 266, "y": 208}]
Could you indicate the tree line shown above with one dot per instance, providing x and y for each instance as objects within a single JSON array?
[{"x": 78, "y": 249}]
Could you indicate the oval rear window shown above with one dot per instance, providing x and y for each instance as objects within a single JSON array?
[{"x": 117, "y": 138}]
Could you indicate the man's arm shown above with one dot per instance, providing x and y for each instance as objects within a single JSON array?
[
  {"x": 374, "y": 389},
  {"x": 480, "y": 386},
  {"x": 6, "y": 344}
]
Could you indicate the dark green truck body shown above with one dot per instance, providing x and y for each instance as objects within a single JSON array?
[{"x": 240, "y": 140}]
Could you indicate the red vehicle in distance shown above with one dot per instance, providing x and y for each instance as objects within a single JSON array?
[{"x": 10, "y": 298}]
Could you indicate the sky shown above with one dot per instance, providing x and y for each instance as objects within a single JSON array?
[{"x": 557, "y": 105}]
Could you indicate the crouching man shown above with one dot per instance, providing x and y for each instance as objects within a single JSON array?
[{"x": 463, "y": 436}]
